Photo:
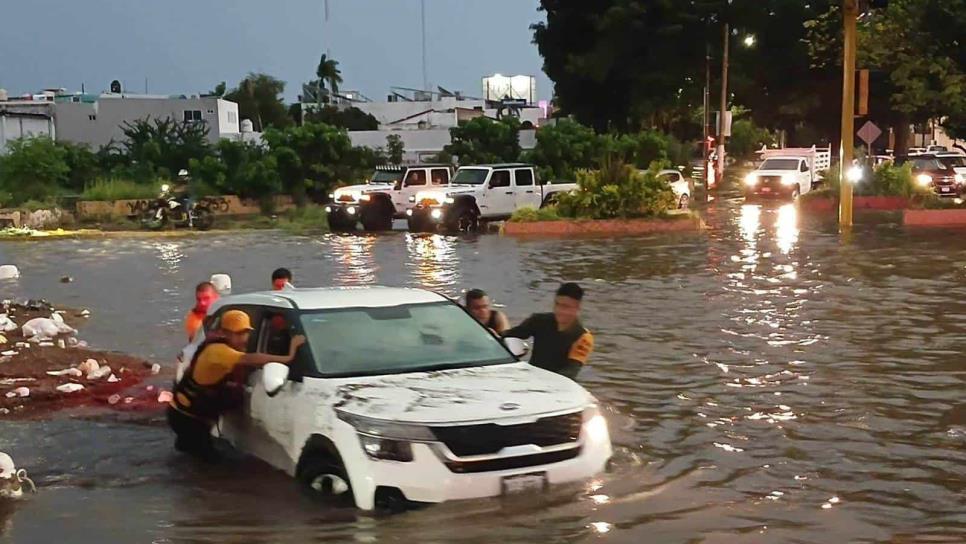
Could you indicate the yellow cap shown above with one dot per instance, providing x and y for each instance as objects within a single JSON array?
[{"x": 236, "y": 321}]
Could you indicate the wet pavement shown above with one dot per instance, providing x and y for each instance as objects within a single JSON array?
[{"x": 765, "y": 381}]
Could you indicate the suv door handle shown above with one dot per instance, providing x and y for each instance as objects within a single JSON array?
[
  {"x": 529, "y": 192},
  {"x": 509, "y": 192}
]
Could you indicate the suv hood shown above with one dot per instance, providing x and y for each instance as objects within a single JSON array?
[
  {"x": 773, "y": 172},
  {"x": 461, "y": 395},
  {"x": 362, "y": 188}
]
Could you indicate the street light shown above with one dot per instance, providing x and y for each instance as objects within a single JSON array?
[{"x": 749, "y": 40}]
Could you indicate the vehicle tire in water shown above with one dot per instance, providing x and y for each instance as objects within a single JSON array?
[
  {"x": 203, "y": 219},
  {"x": 324, "y": 478},
  {"x": 377, "y": 216},
  {"x": 339, "y": 224},
  {"x": 463, "y": 219},
  {"x": 150, "y": 219},
  {"x": 419, "y": 224},
  {"x": 684, "y": 202}
]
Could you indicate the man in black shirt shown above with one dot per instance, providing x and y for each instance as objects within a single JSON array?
[{"x": 560, "y": 343}]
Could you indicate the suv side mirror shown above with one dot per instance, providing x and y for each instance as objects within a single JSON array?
[
  {"x": 274, "y": 376},
  {"x": 517, "y": 347}
]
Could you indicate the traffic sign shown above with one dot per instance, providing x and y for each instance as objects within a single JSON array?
[{"x": 869, "y": 132}]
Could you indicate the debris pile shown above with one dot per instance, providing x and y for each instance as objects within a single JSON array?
[{"x": 44, "y": 367}]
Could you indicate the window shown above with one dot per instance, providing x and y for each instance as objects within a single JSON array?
[
  {"x": 500, "y": 178},
  {"x": 232, "y": 117},
  {"x": 211, "y": 112},
  {"x": 412, "y": 338},
  {"x": 804, "y": 167},
  {"x": 440, "y": 176},
  {"x": 779, "y": 164},
  {"x": 92, "y": 117},
  {"x": 415, "y": 177},
  {"x": 192, "y": 116},
  {"x": 524, "y": 177},
  {"x": 470, "y": 176}
]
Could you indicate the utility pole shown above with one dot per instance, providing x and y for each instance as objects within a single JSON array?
[
  {"x": 850, "y": 12},
  {"x": 724, "y": 100},
  {"x": 422, "y": 5}
]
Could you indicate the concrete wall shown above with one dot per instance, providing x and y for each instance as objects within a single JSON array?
[
  {"x": 98, "y": 123},
  {"x": 219, "y": 205}
]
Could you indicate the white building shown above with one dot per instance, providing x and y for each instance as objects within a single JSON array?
[
  {"x": 421, "y": 145},
  {"x": 96, "y": 120},
  {"x": 20, "y": 118}
]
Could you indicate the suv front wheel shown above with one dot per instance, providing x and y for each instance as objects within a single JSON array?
[
  {"x": 325, "y": 478},
  {"x": 377, "y": 216}
]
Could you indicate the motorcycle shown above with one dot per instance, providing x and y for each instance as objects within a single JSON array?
[{"x": 169, "y": 210}]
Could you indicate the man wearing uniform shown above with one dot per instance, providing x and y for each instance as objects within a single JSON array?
[
  {"x": 560, "y": 343},
  {"x": 203, "y": 393}
]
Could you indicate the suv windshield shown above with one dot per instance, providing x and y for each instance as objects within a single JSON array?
[
  {"x": 922, "y": 163},
  {"x": 471, "y": 176},
  {"x": 957, "y": 161},
  {"x": 779, "y": 164},
  {"x": 398, "y": 339},
  {"x": 386, "y": 176}
]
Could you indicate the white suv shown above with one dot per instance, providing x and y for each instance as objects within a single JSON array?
[{"x": 400, "y": 395}]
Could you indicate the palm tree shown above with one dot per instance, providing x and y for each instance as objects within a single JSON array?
[{"x": 328, "y": 73}]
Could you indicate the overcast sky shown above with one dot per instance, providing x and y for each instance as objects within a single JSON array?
[{"x": 188, "y": 46}]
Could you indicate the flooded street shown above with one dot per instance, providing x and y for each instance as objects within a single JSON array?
[{"x": 764, "y": 382}]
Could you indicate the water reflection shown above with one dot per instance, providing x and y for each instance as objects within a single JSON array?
[
  {"x": 353, "y": 255},
  {"x": 170, "y": 257},
  {"x": 433, "y": 260},
  {"x": 786, "y": 228}
]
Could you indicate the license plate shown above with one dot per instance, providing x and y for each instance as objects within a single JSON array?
[
  {"x": 535, "y": 481},
  {"x": 766, "y": 189},
  {"x": 945, "y": 189}
]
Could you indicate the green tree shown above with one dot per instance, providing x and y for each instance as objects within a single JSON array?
[
  {"x": 747, "y": 138},
  {"x": 348, "y": 118},
  {"x": 162, "y": 147},
  {"x": 259, "y": 99},
  {"x": 484, "y": 140},
  {"x": 239, "y": 168},
  {"x": 313, "y": 158},
  {"x": 83, "y": 166},
  {"x": 32, "y": 169},
  {"x": 394, "y": 149},
  {"x": 219, "y": 90},
  {"x": 563, "y": 148}
]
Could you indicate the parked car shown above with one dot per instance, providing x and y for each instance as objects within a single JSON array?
[
  {"x": 787, "y": 173},
  {"x": 386, "y": 196},
  {"x": 680, "y": 186},
  {"x": 929, "y": 171},
  {"x": 401, "y": 395},
  {"x": 487, "y": 192}
]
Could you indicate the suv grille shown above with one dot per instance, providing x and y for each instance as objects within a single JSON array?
[
  {"x": 509, "y": 463},
  {"x": 489, "y": 438}
]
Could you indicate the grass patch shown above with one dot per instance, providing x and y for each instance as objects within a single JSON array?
[
  {"x": 531, "y": 215},
  {"x": 119, "y": 189}
]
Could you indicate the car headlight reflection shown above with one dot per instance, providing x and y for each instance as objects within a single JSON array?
[
  {"x": 751, "y": 180},
  {"x": 595, "y": 426}
]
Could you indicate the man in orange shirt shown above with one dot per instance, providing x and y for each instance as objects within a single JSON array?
[
  {"x": 203, "y": 393},
  {"x": 205, "y": 296}
]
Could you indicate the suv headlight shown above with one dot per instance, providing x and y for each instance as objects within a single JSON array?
[
  {"x": 387, "y": 440},
  {"x": 595, "y": 426},
  {"x": 751, "y": 180},
  {"x": 959, "y": 178},
  {"x": 924, "y": 179}
]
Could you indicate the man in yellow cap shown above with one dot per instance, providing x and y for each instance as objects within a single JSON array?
[{"x": 203, "y": 393}]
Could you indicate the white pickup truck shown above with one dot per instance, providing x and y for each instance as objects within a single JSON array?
[
  {"x": 488, "y": 192},
  {"x": 788, "y": 172},
  {"x": 383, "y": 198}
]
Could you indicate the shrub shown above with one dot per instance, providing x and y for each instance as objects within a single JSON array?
[
  {"x": 531, "y": 215},
  {"x": 891, "y": 180},
  {"x": 617, "y": 190},
  {"x": 32, "y": 169},
  {"x": 119, "y": 189}
]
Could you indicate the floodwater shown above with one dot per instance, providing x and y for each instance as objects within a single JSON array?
[{"x": 766, "y": 381}]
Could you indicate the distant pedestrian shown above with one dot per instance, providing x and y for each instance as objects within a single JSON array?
[
  {"x": 205, "y": 296},
  {"x": 560, "y": 342},
  {"x": 479, "y": 305},
  {"x": 282, "y": 279}
]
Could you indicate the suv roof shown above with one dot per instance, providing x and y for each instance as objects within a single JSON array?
[
  {"x": 499, "y": 165},
  {"x": 333, "y": 297}
]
